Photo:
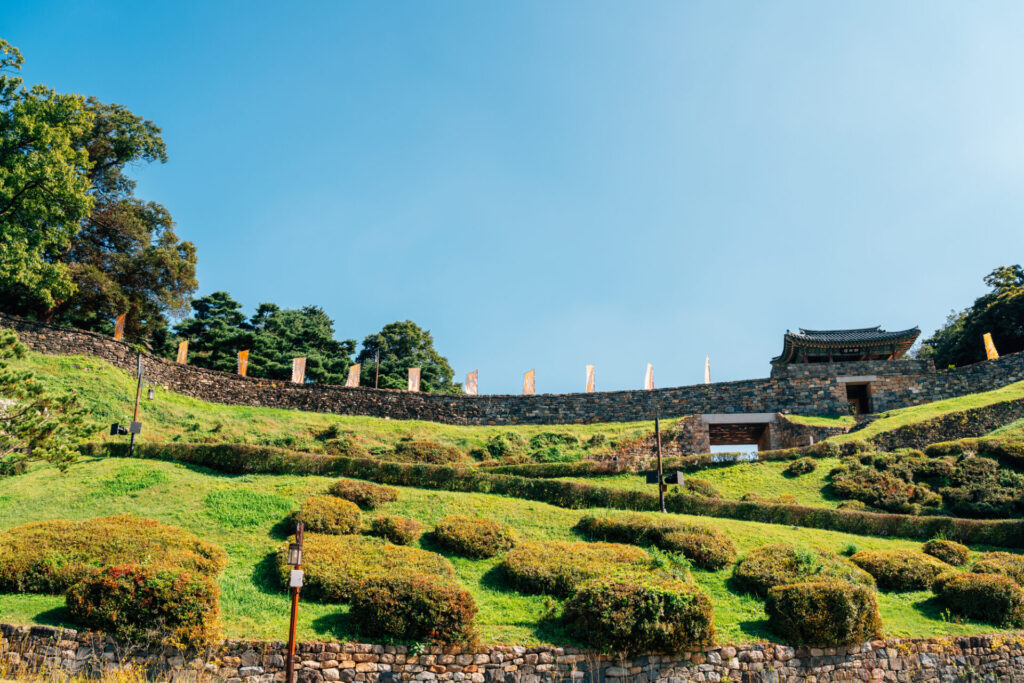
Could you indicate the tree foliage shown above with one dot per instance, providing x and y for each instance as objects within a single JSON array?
[
  {"x": 215, "y": 332},
  {"x": 1000, "y": 312},
  {"x": 404, "y": 345},
  {"x": 35, "y": 424}
]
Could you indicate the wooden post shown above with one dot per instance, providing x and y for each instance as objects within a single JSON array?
[
  {"x": 661, "y": 474},
  {"x": 135, "y": 415},
  {"x": 290, "y": 663},
  {"x": 376, "y": 374}
]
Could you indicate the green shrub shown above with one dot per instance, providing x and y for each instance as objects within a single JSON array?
[
  {"x": 950, "y": 552},
  {"x": 545, "y": 439},
  {"x": 427, "y": 452},
  {"x": 335, "y": 565},
  {"x": 634, "y": 613},
  {"x": 147, "y": 605},
  {"x": 699, "y": 487},
  {"x": 781, "y": 564},
  {"x": 417, "y": 607},
  {"x": 985, "y": 597},
  {"x": 557, "y": 567},
  {"x": 1006, "y": 564},
  {"x": 48, "y": 557},
  {"x": 506, "y": 446},
  {"x": 707, "y": 548},
  {"x": 851, "y": 505},
  {"x": 881, "y": 489},
  {"x": 823, "y": 613},
  {"x": 364, "y": 494},
  {"x": 329, "y": 515},
  {"x": 801, "y": 466},
  {"x": 957, "y": 447},
  {"x": 398, "y": 530},
  {"x": 473, "y": 536},
  {"x": 900, "y": 570}
]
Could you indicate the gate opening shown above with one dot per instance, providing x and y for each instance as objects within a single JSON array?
[{"x": 859, "y": 398}]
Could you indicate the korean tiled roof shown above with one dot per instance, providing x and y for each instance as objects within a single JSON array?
[{"x": 866, "y": 337}]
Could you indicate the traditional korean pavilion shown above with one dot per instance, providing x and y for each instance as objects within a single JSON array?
[{"x": 838, "y": 346}]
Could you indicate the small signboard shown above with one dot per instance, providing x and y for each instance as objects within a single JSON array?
[
  {"x": 675, "y": 477},
  {"x": 135, "y": 428},
  {"x": 295, "y": 580}
]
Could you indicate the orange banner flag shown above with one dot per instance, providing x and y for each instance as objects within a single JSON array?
[
  {"x": 414, "y": 379},
  {"x": 183, "y": 352},
  {"x": 529, "y": 382},
  {"x": 298, "y": 370},
  {"x": 471, "y": 383},
  {"x": 990, "y": 347},
  {"x": 119, "y": 327},
  {"x": 590, "y": 379},
  {"x": 243, "y": 362},
  {"x": 649, "y": 377},
  {"x": 353, "y": 375}
]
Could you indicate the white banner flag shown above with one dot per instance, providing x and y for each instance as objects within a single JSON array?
[
  {"x": 649, "y": 377},
  {"x": 298, "y": 370},
  {"x": 353, "y": 375},
  {"x": 707, "y": 369},
  {"x": 414, "y": 379}
]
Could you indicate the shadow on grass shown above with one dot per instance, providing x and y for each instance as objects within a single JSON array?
[
  {"x": 265, "y": 576},
  {"x": 338, "y": 625},
  {"x": 57, "y": 616},
  {"x": 497, "y": 580},
  {"x": 283, "y": 529}
]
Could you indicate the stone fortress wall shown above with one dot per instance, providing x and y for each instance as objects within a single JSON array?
[
  {"x": 975, "y": 658},
  {"x": 808, "y": 389}
]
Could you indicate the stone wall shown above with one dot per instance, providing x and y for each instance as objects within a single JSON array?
[
  {"x": 805, "y": 389},
  {"x": 976, "y": 658}
]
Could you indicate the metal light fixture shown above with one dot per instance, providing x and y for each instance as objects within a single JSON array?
[
  {"x": 294, "y": 554},
  {"x": 152, "y": 393}
]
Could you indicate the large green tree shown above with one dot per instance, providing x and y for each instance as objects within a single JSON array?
[
  {"x": 216, "y": 332},
  {"x": 404, "y": 345},
  {"x": 1000, "y": 312},
  {"x": 44, "y": 184},
  {"x": 279, "y": 335}
]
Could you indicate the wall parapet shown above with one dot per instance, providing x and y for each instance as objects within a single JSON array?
[
  {"x": 804, "y": 395},
  {"x": 979, "y": 658}
]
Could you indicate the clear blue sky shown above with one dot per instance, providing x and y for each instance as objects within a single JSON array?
[{"x": 551, "y": 184}]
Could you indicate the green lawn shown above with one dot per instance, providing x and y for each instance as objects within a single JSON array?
[
  {"x": 242, "y": 513},
  {"x": 732, "y": 481}
]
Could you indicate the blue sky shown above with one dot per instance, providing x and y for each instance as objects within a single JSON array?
[{"x": 545, "y": 185}]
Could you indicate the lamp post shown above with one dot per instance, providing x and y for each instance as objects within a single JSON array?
[
  {"x": 661, "y": 474},
  {"x": 294, "y": 583}
]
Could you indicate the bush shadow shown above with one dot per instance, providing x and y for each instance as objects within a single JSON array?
[
  {"x": 265, "y": 576},
  {"x": 56, "y": 616},
  {"x": 338, "y": 625}
]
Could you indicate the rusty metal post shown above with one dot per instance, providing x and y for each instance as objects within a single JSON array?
[
  {"x": 661, "y": 474},
  {"x": 297, "y": 568},
  {"x": 135, "y": 415}
]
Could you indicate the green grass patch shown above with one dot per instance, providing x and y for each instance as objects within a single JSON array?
[
  {"x": 823, "y": 421},
  {"x": 245, "y": 508}
]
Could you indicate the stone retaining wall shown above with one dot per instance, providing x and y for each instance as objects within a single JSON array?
[
  {"x": 804, "y": 390},
  {"x": 975, "y": 658}
]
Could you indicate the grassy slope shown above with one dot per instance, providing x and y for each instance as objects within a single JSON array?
[
  {"x": 109, "y": 393},
  {"x": 241, "y": 513}
]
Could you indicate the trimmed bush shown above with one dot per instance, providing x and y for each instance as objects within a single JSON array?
[
  {"x": 823, "y": 613},
  {"x": 426, "y": 451},
  {"x": 1006, "y": 564},
  {"x": 781, "y": 564},
  {"x": 417, "y": 607},
  {"x": 148, "y": 605},
  {"x": 900, "y": 570},
  {"x": 329, "y": 515},
  {"x": 474, "y": 536},
  {"x": 851, "y": 505},
  {"x": 398, "y": 530},
  {"x": 707, "y": 548},
  {"x": 950, "y": 552},
  {"x": 49, "y": 557},
  {"x": 801, "y": 466},
  {"x": 364, "y": 494},
  {"x": 557, "y": 567},
  {"x": 985, "y": 597},
  {"x": 632, "y": 613},
  {"x": 699, "y": 487},
  {"x": 335, "y": 565}
]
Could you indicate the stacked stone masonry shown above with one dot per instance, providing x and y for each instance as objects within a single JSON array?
[
  {"x": 975, "y": 658},
  {"x": 811, "y": 389}
]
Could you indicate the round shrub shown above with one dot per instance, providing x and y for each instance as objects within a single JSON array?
[
  {"x": 417, "y": 607},
  {"x": 781, "y": 564},
  {"x": 800, "y": 466},
  {"x": 398, "y": 530},
  {"x": 707, "y": 548},
  {"x": 473, "y": 536},
  {"x": 900, "y": 570},
  {"x": 329, "y": 515},
  {"x": 147, "y": 605},
  {"x": 335, "y": 565},
  {"x": 366, "y": 495},
  {"x": 427, "y": 452},
  {"x": 634, "y": 613},
  {"x": 985, "y": 597},
  {"x": 823, "y": 613},
  {"x": 1006, "y": 564},
  {"x": 49, "y": 557},
  {"x": 557, "y": 567},
  {"x": 699, "y": 487},
  {"x": 950, "y": 552},
  {"x": 851, "y": 505}
]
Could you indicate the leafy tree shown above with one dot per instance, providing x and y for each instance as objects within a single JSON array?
[
  {"x": 216, "y": 332},
  {"x": 44, "y": 184},
  {"x": 35, "y": 424},
  {"x": 403, "y": 345},
  {"x": 1000, "y": 312},
  {"x": 279, "y": 335}
]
